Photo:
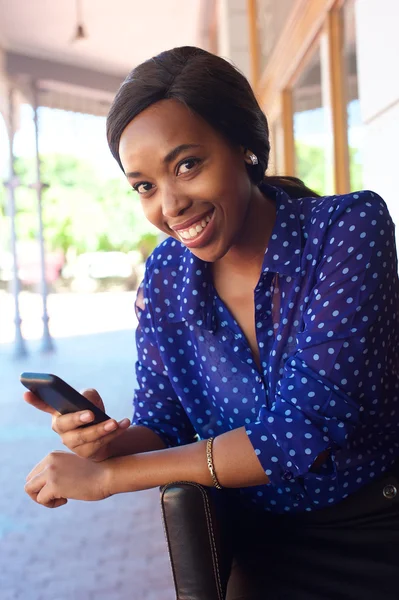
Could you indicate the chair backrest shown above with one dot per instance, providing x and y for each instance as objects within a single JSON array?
[{"x": 198, "y": 542}]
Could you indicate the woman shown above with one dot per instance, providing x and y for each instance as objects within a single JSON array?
[{"x": 267, "y": 345}]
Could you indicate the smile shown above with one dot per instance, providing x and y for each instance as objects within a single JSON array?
[{"x": 195, "y": 229}]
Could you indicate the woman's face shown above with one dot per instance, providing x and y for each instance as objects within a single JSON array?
[{"x": 192, "y": 184}]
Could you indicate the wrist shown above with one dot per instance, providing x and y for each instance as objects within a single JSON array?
[
  {"x": 153, "y": 469},
  {"x": 109, "y": 482}
]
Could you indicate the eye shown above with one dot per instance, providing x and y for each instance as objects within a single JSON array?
[
  {"x": 187, "y": 165},
  {"x": 142, "y": 187}
]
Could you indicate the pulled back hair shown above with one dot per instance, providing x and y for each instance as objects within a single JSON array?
[{"x": 212, "y": 88}]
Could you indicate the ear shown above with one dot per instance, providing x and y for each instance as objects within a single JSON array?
[{"x": 246, "y": 154}]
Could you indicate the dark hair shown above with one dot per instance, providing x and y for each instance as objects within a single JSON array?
[{"x": 211, "y": 87}]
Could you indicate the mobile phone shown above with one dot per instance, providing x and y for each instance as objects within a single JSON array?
[{"x": 59, "y": 395}]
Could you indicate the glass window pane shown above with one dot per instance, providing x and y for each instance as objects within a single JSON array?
[
  {"x": 271, "y": 19},
  {"x": 313, "y": 133},
  {"x": 355, "y": 126}
]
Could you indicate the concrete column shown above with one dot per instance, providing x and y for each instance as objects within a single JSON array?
[
  {"x": 233, "y": 38},
  {"x": 378, "y": 49},
  {"x": 47, "y": 342},
  {"x": 12, "y": 183}
]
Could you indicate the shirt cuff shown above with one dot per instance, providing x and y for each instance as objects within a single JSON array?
[{"x": 283, "y": 462}]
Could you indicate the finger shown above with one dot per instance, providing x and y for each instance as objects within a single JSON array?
[
  {"x": 94, "y": 397},
  {"x": 35, "y": 483},
  {"x": 55, "y": 503},
  {"x": 42, "y": 492},
  {"x": 39, "y": 468},
  {"x": 44, "y": 463},
  {"x": 71, "y": 421},
  {"x": 30, "y": 398},
  {"x": 49, "y": 498},
  {"x": 96, "y": 436}
]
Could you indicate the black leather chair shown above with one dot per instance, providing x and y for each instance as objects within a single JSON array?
[{"x": 197, "y": 534}]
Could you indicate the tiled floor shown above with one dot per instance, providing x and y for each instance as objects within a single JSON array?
[{"x": 113, "y": 550}]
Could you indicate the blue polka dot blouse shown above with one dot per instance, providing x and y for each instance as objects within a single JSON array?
[{"x": 326, "y": 310}]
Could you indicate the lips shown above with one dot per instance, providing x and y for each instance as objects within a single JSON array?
[{"x": 193, "y": 228}]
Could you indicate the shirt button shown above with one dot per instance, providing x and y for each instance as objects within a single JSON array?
[
  {"x": 298, "y": 497},
  {"x": 287, "y": 475},
  {"x": 258, "y": 379},
  {"x": 389, "y": 492}
]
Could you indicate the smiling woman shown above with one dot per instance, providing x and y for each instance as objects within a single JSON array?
[
  {"x": 185, "y": 173},
  {"x": 267, "y": 345}
]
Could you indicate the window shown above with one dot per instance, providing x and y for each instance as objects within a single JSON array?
[
  {"x": 355, "y": 128},
  {"x": 313, "y": 133}
]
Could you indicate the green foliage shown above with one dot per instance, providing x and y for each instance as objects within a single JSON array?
[
  {"x": 80, "y": 209},
  {"x": 83, "y": 211},
  {"x": 315, "y": 168},
  {"x": 311, "y": 166},
  {"x": 356, "y": 169}
]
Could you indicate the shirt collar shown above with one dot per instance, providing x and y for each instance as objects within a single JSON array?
[{"x": 195, "y": 300}]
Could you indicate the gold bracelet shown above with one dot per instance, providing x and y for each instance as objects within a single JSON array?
[{"x": 209, "y": 460}]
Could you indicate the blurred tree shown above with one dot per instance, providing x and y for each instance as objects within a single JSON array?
[
  {"x": 311, "y": 167},
  {"x": 80, "y": 209},
  {"x": 85, "y": 212}
]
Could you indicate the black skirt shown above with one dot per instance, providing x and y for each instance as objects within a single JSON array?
[{"x": 349, "y": 551}]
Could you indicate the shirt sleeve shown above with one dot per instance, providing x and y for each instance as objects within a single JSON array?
[
  {"x": 335, "y": 377},
  {"x": 155, "y": 403}
]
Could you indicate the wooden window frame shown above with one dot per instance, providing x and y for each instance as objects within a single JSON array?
[{"x": 308, "y": 20}]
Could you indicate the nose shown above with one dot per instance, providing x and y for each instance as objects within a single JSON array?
[{"x": 174, "y": 203}]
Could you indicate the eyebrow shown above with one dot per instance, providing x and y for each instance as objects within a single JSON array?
[{"x": 170, "y": 157}]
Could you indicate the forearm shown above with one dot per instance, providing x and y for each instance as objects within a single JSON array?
[
  {"x": 235, "y": 461},
  {"x": 134, "y": 440}
]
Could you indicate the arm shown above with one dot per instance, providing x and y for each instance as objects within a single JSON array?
[
  {"x": 321, "y": 397},
  {"x": 236, "y": 465},
  {"x": 351, "y": 314},
  {"x": 134, "y": 440},
  {"x": 159, "y": 420},
  {"x": 174, "y": 456}
]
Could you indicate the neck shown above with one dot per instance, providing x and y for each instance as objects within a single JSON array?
[{"x": 246, "y": 255}]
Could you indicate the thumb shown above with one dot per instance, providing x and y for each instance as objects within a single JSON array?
[{"x": 94, "y": 397}]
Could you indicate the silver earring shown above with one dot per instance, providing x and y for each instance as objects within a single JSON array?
[{"x": 253, "y": 158}]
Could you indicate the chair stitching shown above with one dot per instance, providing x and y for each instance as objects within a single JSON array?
[
  {"x": 165, "y": 529},
  {"x": 214, "y": 552},
  {"x": 210, "y": 532}
]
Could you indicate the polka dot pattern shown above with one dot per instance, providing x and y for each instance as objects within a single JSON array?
[{"x": 326, "y": 319}]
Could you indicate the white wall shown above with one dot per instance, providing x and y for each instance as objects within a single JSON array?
[{"x": 378, "y": 70}]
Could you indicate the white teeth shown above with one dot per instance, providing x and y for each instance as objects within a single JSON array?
[{"x": 193, "y": 231}]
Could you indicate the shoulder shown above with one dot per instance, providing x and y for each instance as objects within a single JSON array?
[
  {"x": 169, "y": 253},
  {"x": 363, "y": 207},
  {"x": 164, "y": 263},
  {"x": 335, "y": 206}
]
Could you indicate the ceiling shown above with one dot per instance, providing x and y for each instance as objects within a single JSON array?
[{"x": 121, "y": 33}]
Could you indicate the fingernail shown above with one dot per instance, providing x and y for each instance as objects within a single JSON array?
[
  {"x": 124, "y": 422},
  {"x": 86, "y": 416},
  {"x": 110, "y": 426}
]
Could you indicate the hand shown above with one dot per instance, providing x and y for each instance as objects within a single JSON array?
[
  {"x": 89, "y": 442},
  {"x": 62, "y": 476}
]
